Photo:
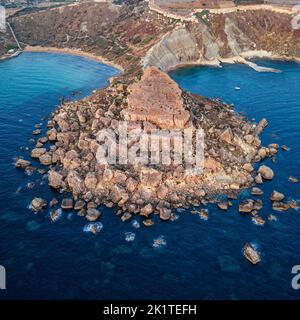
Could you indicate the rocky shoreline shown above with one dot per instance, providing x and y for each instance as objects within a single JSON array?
[
  {"x": 144, "y": 44},
  {"x": 232, "y": 146}
]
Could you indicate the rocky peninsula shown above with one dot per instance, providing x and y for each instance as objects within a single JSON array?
[{"x": 146, "y": 44}]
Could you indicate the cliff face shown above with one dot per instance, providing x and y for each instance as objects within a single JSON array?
[{"x": 225, "y": 36}]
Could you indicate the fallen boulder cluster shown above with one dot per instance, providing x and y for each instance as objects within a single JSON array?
[{"x": 231, "y": 146}]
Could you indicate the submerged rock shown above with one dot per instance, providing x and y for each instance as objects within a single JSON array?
[
  {"x": 53, "y": 202},
  {"x": 55, "y": 215},
  {"x": 135, "y": 224},
  {"x": 159, "y": 242},
  {"x": 21, "y": 163},
  {"x": 203, "y": 214},
  {"x": 228, "y": 264},
  {"x": 251, "y": 254},
  {"x": 129, "y": 236},
  {"x": 293, "y": 179},
  {"x": 94, "y": 228},
  {"x": 258, "y": 220},
  {"x": 37, "y": 204}
]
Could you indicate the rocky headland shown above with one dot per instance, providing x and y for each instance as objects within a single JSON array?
[{"x": 146, "y": 44}]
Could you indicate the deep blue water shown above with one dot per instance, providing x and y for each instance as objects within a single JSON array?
[{"x": 202, "y": 259}]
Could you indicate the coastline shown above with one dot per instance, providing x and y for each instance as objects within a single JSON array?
[
  {"x": 241, "y": 59},
  {"x": 75, "y": 52}
]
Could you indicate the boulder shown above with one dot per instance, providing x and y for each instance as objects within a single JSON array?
[
  {"x": 277, "y": 196},
  {"x": 67, "y": 204},
  {"x": 248, "y": 167},
  {"x": 293, "y": 179},
  {"x": 251, "y": 254},
  {"x": 165, "y": 214},
  {"x": 37, "y": 204},
  {"x": 258, "y": 179},
  {"x": 226, "y": 135},
  {"x": 131, "y": 184},
  {"x": 148, "y": 222},
  {"x": 261, "y": 125},
  {"x": 146, "y": 210},
  {"x": 280, "y": 206},
  {"x": 45, "y": 159},
  {"x": 55, "y": 179},
  {"x": 223, "y": 205},
  {"x": 37, "y": 152},
  {"x": 53, "y": 202},
  {"x": 92, "y": 214},
  {"x": 79, "y": 204},
  {"x": 256, "y": 191},
  {"x": 266, "y": 172},
  {"x": 90, "y": 181},
  {"x": 246, "y": 206},
  {"x": 126, "y": 216},
  {"x": 75, "y": 183},
  {"x": 257, "y": 205}
]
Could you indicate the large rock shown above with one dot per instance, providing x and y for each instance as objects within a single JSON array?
[
  {"x": 251, "y": 254},
  {"x": 165, "y": 214},
  {"x": 45, "y": 159},
  {"x": 75, "y": 183},
  {"x": 21, "y": 163},
  {"x": 277, "y": 196},
  {"x": 156, "y": 98},
  {"x": 266, "y": 172},
  {"x": 67, "y": 204},
  {"x": 37, "y": 152},
  {"x": 246, "y": 206},
  {"x": 280, "y": 206},
  {"x": 37, "y": 204},
  {"x": 55, "y": 179},
  {"x": 90, "y": 181},
  {"x": 226, "y": 136},
  {"x": 256, "y": 191},
  {"x": 92, "y": 214}
]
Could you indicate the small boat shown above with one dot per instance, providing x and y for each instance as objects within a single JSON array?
[{"x": 237, "y": 88}]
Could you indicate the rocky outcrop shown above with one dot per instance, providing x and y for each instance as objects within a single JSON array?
[
  {"x": 157, "y": 99},
  {"x": 175, "y": 48},
  {"x": 152, "y": 101}
]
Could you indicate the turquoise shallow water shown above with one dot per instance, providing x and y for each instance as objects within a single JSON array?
[{"x": 202, "y": 259}]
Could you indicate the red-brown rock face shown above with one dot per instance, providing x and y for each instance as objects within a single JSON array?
[{"x": 156, "y": 98}]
